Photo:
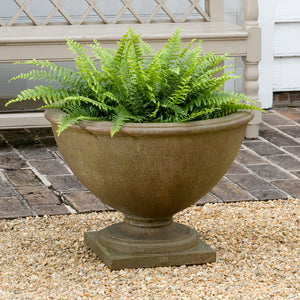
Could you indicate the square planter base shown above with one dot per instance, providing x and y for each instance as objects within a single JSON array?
[{"x": 200, "y": 254}]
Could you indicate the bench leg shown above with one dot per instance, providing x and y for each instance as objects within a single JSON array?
[
  {"x": 251, "y": 61},
  {"x": 251, "y": 87}
]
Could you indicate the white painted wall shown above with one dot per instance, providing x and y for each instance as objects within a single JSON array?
[
  {"x": 287, "y": 46},
  {"x": 279, "y": 69},
  {"x": 266, "y": 66}
]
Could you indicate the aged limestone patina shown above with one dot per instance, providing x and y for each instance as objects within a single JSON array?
[{"x": 149, "y": 172}]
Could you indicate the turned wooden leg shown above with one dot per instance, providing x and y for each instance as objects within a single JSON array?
[
  {"x": 251, "y": 62},
  {"x": 251, "y": 88}
]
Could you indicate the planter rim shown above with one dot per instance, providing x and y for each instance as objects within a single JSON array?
[{"x": 177, "y": 128}]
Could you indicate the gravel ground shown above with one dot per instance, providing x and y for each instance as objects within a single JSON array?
[{"x": 257, "y": 243}]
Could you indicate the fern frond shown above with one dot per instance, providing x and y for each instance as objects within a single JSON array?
[
  {"x": 179, "y": 96},
  {"x": 188, "y": 60},
  {"x": 171, "y": 48},
  {"x": 102, "y": 106},
  {"x": 120, "y": 53},
  {"x": 202, "y": 114},
  {"x": 77, "y": 112},
  {"x": 86, "y": 66},
  {"x": 147, "y": 51},
  {"x": 48, "y": 94},
  {"x": 121, "y": 116},
  {"x": 154, "y": 74},
  {"x": 66, "y": 77},
  {"x": 105, "y": 56},
  {"x": 185, "y": 51},
  {"x": 83, "y": 60},
  {"x": 147, "y": 48},
  {"x": 67, "y": 121},
  {"x": 39, "y": 63},
  {"x": 173, "y": 111}
]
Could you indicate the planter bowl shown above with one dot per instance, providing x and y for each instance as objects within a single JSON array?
[{"x": 149, "y": 172}]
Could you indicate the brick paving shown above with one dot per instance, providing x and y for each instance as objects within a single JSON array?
[{"x": 35, "y": 181}]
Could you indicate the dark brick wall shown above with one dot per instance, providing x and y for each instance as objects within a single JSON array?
[{"x": 281, "y": 99}]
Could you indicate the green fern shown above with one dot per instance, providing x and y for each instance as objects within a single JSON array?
[
  {"x": 76, "y": 113},
  {"x": 122, "y": 115},
  {"x": 135, "y": 84},
  {"x": 63, "y": 76}
]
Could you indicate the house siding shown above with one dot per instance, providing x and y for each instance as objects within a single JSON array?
[{"x": 287, "y": 46}]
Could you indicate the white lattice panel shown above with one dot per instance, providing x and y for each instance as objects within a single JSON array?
[{"x": 80, "y": 12}]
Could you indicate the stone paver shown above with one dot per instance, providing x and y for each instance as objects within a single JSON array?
[
  {"x": 49, "y": 167},
  {"x": 297, "y": 173},
  {"x": 263, "y": 128},
  {"x": 269, "y": 172},
  {"x": 11, "y": 161},
  {"x": 245, "y": 157},
  {"x": 290, "y": 113},
  {"x": 4, "y": 147},
  {"x": 276, "y": 120},
  {"x": 295, "y": 150},
  {"x": 262, "y": 148},
  {"x": 278, "y": 139},
  {"x": 22, "y": 177},
  {"x": 34, "y": 180},
  {"x": 236, "y": 169},
  {"x": 292, "y": 186},
  {"x": 43, "y": 201},
  {"x": 285, "y": 161},
  {"x": 250, "y": 182},
  {"x": 269, "y": 194},
  {"x": 65, "y": 183},
  {"x": 228, "y": 192},
  {"x": 35, "y": 195},
  {"x": 5, "y": 190},
  {"x": 293, "y": 131},
  {"x": 35, "y": 152},
  {"x": 19, "y": 137},
  {"x": 84, "y": 202},
  {"x": 51, "y": 210},
  {"x": 11, "y": 207}
]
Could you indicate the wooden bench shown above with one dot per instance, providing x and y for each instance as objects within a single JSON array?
[{"x": 43, "y": 40}]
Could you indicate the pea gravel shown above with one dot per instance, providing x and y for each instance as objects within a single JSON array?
[{"x": 257, "y": 243}]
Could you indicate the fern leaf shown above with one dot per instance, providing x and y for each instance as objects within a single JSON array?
[
  {"x": 100, "y": 105},
  {"x": 172, "y": 47},
  {"x": 121, "y": 116},
  {"x": 67, "y": 121},
  {"x": 55, "y": 72},
  {"x": 180, "y": 95},
  {"x": 86, "y": 66},
  {"x": 47, "y": 93}
]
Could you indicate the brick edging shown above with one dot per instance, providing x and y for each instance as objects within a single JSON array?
[{"x": 284, "y": 99}]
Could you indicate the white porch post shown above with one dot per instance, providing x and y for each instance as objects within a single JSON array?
[
  {"x": 252, "y": 59},
  {"x": 267, "y": 23}
]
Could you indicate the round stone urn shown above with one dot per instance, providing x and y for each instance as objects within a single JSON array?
[{"x": 149, "y": 172}]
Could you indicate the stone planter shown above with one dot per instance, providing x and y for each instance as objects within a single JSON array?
[{"x": 149, "y": 172}]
